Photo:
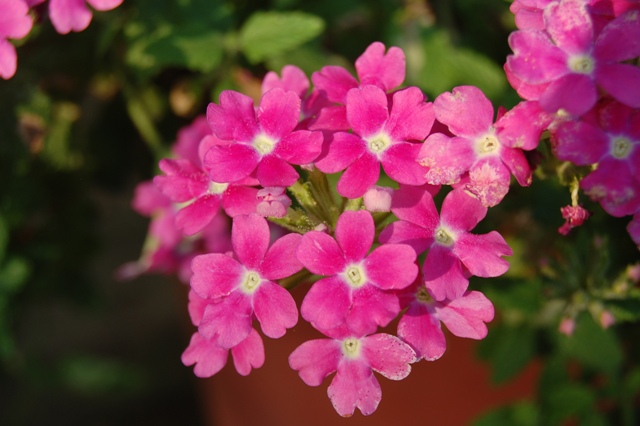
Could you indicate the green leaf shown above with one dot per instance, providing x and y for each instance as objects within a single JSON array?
[
  {"x": 509, "y": 350},
  {"x": 567, "y": 400},
  {"x": 4, "y": 238},
  {"x": 624, "y": 310},
  {"x": 13, "y": 274},
  {"x": 268, "y": 34},
  {"x": 519, "y": 414}
]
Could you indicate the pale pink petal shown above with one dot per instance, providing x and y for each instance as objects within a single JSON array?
[
  {"x": 183, "y": 181},
  {"x": 620, "y": 39},
  {"x": 280, "y": 261},
  {"x": 580, "y": 142},
  {"x": 574, "y": 93},
  {"x": 299, "y": 147},
  {"x": 248, "y": 354},
  {"x": 354, "y": 386},
  {"x": 466, "y": 111},
  {"x": 415, "y": 205},
  {"x": 367, "y": 110},
  {"x": 489, "y": 181},
  {"x": 621, "y": 81},
  {"x": 8, "y": 59},
  {"x": 278, "y": 113},
  {"x": 417, "y": 237},
  {"x": 467, "y": 315},
  {"x": 239, "y": 200},
  {"x": 385, "y": 71},
  {"x": 231, "y": 163},
  {"x": 293, "y": 79},
  {"x": 482, "y": 254},
  {"x": 378, "y": 199},
  {"x": 411, "y": 118},
  {"x": 196, "y": 307},
  {"x": 274, "y": 171},
  {"x": 234, "y": 119},
  {"x": 192, "y": 218},
  {"x": 69, "y": 15},
  {"x": 316, "y": 359},
  {"x": 372, "y": 308},
  {"x": 335, "y": 81},
  {"x": 388, "y": 355},
  {"x": 206, "y": 355},
  {"x": 354, "y": 233},
  {"x": 228, "y": 321},
  {"x": 321, "y": 254},
  {"x": 461, "y": 211},
  {"x": 275, "y": 309},
  {"x": 326, "y": 303},
  {"x": 537, "y": 59},
  {"x": 359, "y": 176},
  {"x": 215, "y": 275},
  {"x": 446, "y": 158},
  {"x": 250, "y": 238},
  {"x": 570, "y": 26},
  {"x": 340, "y": 151},
  {"x": 391, "y": 266},
  {"x": 517, "y": 164},
  {"x": 614, "y": 187},
  {"x": 421, "y": 329},
  {"x": 443, "y": 274},
  {"x": 529, "y": 19},
  {"x": 103, "y": 5},
  {"x": 400, "y": 162}
]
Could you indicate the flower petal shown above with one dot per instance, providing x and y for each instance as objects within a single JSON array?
[
  {"x": 215, "y": 275},
  {"x": 354, "y": 233},
  {"x": 320, "y": 254},
  {"x": 388, "y": 355},
  {"x": 316, "y": 359},
  {"x": 275, "y": 309},
  {"x": 278, "y": 112},
  {"x": 361, "y": 175},
  {"x": 467, "y": 315},
  {"x": 248, "y": 354},
  {"x": 326, "y": 303},
  {"x": 280, "y": 261},
  {"x": 482, "y": 254},
  {"x": 391, "y": 266},
  {"x": 367, "y": 110},
  {"x": 250, "y": 238},
  {"x": 354, "y": 386},
  {"x": 234, "y": 119}
]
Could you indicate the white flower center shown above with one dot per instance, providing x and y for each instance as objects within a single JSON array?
[
  {"x": 621, "y": 147},
  {"x": 251, "y": 282},
  {"x": 355, "y": 276},
  {"x": 264, "y": 144},
  {"x": 217, "y": 188},
  {"x": 487, "y": 144},
  {"x": 378, "y": 143},
  {"x": 351, "y": 347},
  {"x": 581, "y": 64},
  {"x": 443, "y": 237}
]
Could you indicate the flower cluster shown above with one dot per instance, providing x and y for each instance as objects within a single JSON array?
[{"x": 65, "y": 15}]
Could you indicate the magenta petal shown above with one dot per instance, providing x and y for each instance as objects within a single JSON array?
[
  {"x": 15, "y": 21},
  {"x": 388, "y": 355},
  {"x": 621, "y": 81},
  {"x": 359, "y": 176},
  {"x": 461, "y": 211},
  {"x": 250, "y": 238},
  {"x": 8, "y": 59},
  {"x": 354, "y": 386},
  {"x": 335, "y": 81},
  {"x": 575, "y": 93},
  {"x": 248, "y": 354},
  {"x": 489, "y": 181},
  {"x": 183, "y": 181},
  {"x": 466, "y": 111},
  {"x": 206, "y": 355},
  {"x": 418, "y": 238},
  {"x": 326, "y": 303},
  {"x": 69, "y": 15},
  {"x": 316, "y": 359},
  {"x": 411, "y": 118},
  {"x": 537, "y": 59},
  {"x": 401, "y": 164},
  {"x": 620, "y": 39},
  {"x": 367, "y": 110},
  {"x": 293, "y": 79},
  {"x": 415, "y": 205},
  {"x": 443, "y": 274},
  {"x": 580, "y": 142},
  {"x": 239, "y": 200},
  {"x": 482, "y": 254},
  {"x": 421, "y": 329},
  {"x": 278, "y": 112},
  {"x": 230, "y": 163},
  {"x": 372, "y": 308},
  {"x": 517, "y": 164},
  {"x": 104, "y": 5},
  {"x": 447, "y": 158},
  {"x": 280, "y": 261},
  {"x": 340, "y": 152},
  {"x": 300, "y": 147},
  {"x": 193, "y": 218},
  {"x": 467, "y": 315},
  {"x": 385, "y": 71},
  {"x": 228, "y": 321},
  {"x": 215, "y": 275},
  {"x": 275, "y": 309},
  {"x": 391, "y": 266},
  {"x": 569, "y": 25},
  {"x": 354, "y": 233},
  {"x": 234, "y": 119},
  {"x": 320, "y": 254},
  {"x": 274, "y": 171},
  {"x": 522, "y": 126}
]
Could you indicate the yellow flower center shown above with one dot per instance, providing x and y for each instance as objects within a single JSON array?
[
  {"x": 251, "y": 282},
  {"x": 378, "y": 143},
  {"x": 487, "y": 144},
  {"x": 581, "y": 64},
  {"x": 217, "y": 188},
  {"x": 264, "y": 144},
  {"x": 443, "y": 237},
  {"x": 351, "y": 347},
  {"x": 355, "y": 276}
]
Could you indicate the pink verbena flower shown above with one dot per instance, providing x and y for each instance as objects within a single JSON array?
[
  {"x": 263, "y": 141},
  {"x": 187, "y": 142},
  {"x": 74, "y": 15},
  {"x": 488, "y": 151},
  {"x": 454, "y": 253},
  {"x": 356, "y": 287},
  {"x": 199, "y": 196},
  {"x": 272, "y": 202},
  {"x": 15, "y": 23},
  {"x": 354, "y": 357},
  {"x": 609, "y": 136},
  {"x": 574, "y": 216},
  {"x": 572, "y": 59},
  {"x": 383, "y": 134},
  {"x": 243, "y": 287},
  {"x": 420, "y": 325}
]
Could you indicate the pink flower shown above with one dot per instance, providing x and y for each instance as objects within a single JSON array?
[
  {"x": 354, "y": 357},
  {"x": 378, "y": 199},
  {"x": 272, "y": 202},
  {"x": 606, "y": 319},
  {"x": 574, "y": 216},
  {"x": 383, "y": 134},
  {"x": 454, "y": 253},
  {"x": 572, "y": 59},
  {"x": 357, "y": 286},
  {"x": 420, "y": 325},
  {"x": 74, "y": 15},
  {"x": 262, "y": 140},
  {"x": 567, "y": 326},
  {"x": 239, "y": 288},
  {"x": 15, "y": 23},
  {"x": 188, "y": 140},
  {"x": 488, "y": 151}
]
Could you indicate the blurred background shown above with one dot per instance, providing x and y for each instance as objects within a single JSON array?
[{"x": 87, "y": 117}]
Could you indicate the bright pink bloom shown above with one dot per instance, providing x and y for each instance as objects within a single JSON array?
[
  {"x": 74, "y": 15},
  {"x": 188, "y": 140},
  {"x": 262, "y": 140},
  {"x": 239, "y": 288},
  {"x": 420, "y": 325},
  {"x": 454, "y": 253},
  {"x": 15, "y": 23},
  {"x": 488, "y": 151},
  {"x": 571, "y": 58},
  {"x": 383, "y": 134},
  {"x": 357, "y": 286},
  {"x": 272, "y": 202},
  {"x": 574, "y": 216},
  {"x": 354, "y": 357}
]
